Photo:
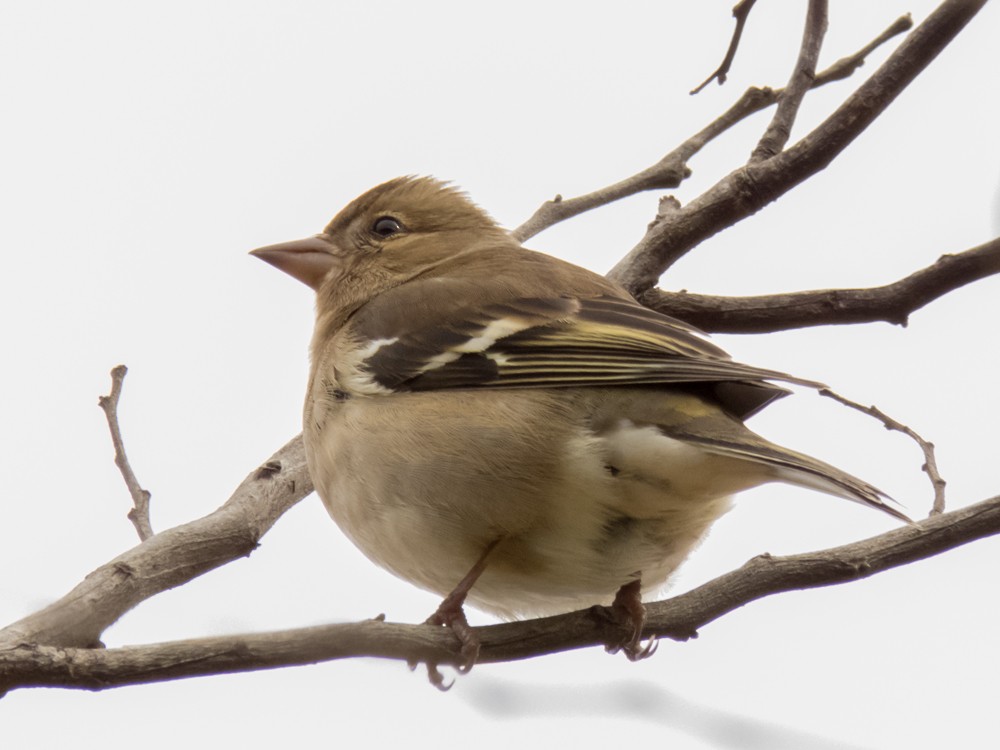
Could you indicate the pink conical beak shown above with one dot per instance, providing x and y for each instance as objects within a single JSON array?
[{"x": 308, "y": 260}]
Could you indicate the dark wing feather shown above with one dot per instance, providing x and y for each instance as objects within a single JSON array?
[{"x": 560, "y": 342}]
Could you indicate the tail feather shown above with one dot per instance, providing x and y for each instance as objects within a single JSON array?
[
  {"x": 811, "y": 473},
  {"x": 805, "y": 471},
  {"x": 691, "y": 419}
]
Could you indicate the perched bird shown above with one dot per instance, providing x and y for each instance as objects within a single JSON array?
[{"x": 491, "y": 423}]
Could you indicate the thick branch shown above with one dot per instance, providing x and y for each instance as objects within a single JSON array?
[
  {"x": 672, "y": 169},
  {"x": 892, "y": 303},
  {"x": 678, "y": 618},
  {"x": 779, "y": 130},
  {"x": 747, "y": 190},
  {"x": 170, "y": 558}
]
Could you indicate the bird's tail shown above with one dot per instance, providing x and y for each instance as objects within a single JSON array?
[
  {"x": 785, "y": 465},
  {"x": 806, "y": 471}
]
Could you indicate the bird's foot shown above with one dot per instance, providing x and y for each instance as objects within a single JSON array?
[
  {"x": 452, "y": 616},
  {"x": 628, "y": 611}
]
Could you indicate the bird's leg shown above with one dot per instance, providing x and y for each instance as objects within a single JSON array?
[
  {"x": 628, "y": 610},
  {"x": 450, "y": 614}
]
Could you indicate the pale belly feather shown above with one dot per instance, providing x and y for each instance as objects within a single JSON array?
[{"x": 579, "y": 509}]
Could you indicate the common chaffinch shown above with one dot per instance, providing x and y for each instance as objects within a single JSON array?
[{"x": 478, "y": 409}]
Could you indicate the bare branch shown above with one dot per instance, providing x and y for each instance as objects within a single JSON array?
[
  {"x": 892, "y": 303},
  {"x": 747, "y": 190},
  {"x": 672, "y": 169},
  {"x": 845, "y": 66},
  {"x": 139, "y": 514},
  {"x": 930, "y": 463},
  {"x": 170, "y": 558},
  {"x": 803, "y": 76},
  {"x": 678, "y": 618},
  {"x": 741, "y": 11},
  {"x": 669, "y": 172}
]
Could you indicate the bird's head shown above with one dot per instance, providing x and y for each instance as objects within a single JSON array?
[{"x": 392, "y": 233}]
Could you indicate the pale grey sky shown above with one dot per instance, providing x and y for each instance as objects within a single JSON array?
[{"x": 148, "y": 146}]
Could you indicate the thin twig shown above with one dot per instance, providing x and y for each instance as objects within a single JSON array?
[
  {"x": 139, "y": 514},
  {"x": 930, "y": 464},
  {"x": 802, "y": 79},
  {"x": 27, "y": 664},
  {"x": 845, "y": 66},
  {"x": 741, "y": 11},
  {"x": 892, "y": 303},
  {"x": 672, "y": 169},
  {"x": 747, "y": 190}
]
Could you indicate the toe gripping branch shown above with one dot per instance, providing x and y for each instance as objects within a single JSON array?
[{"x": 628, "y": 614}]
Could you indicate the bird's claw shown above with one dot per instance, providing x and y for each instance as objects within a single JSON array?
[
  {"x": 436, "y": 678},
  {"x": 628, "y": 610},
  {"x": 452, "y": 617},
  {"x": 634, "y": 649}
]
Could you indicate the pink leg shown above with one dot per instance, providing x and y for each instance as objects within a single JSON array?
[{"x": 450, "y": 614}]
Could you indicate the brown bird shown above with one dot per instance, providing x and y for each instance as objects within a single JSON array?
[{"x": 494, "y": 424}]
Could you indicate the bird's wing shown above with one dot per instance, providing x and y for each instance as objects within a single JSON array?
[{"x": 552, "y": 342}]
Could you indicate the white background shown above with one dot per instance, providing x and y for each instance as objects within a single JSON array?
[{"x": 146, "y": 147}]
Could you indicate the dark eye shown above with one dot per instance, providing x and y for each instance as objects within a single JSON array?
[{"x": 386, "y": 226}]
